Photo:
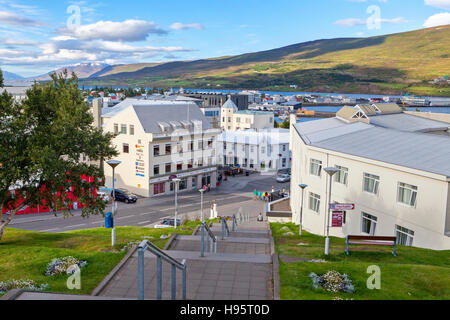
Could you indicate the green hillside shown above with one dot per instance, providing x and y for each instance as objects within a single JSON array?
[{"x": 391, "y": 64}]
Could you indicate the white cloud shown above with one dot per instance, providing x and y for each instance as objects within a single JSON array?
[
  {"x": 181, "y": 26},
  {"x": 128, "y": 30},
  {"x": 439, "y": 19},
  {"x": 11, "y": 18},
  {"x": 442, "y": 4}
]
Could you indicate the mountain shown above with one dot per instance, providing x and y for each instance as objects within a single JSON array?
[
  {"x": 390, "y": 64},
  {"x": 83, "y": 70},
  {"x": 8, "y": 76}
]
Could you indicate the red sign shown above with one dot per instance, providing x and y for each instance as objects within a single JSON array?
[
  {"x": 343, "y": 206},
  {"x": 338, "y": 219}
]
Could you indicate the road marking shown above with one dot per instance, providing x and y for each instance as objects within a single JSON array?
[
  {"x": 145, "y": 222},
  {"x": 76, "y": 226},
  {"x": 50, "y": 230},
  {"x": 146, "y": 213}
]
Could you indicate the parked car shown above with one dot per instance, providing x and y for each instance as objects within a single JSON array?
[
  {"x": 167, "y": 223},
  {"x": 283, "y": 178},
  {"x": 104, "y": 196},
  {"x": 232, "y": 171},
  {"x": 124, "y": 195}
]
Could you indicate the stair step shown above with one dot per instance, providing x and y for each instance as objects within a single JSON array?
[
  {"x": 229, "y": 239},
  {"x": 228, "y": 257}
]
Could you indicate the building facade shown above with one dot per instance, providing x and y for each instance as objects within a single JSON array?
[
  {"x": 393, "y": 166},
  {"x": 259, "y": 151},
  {"x": 233, "y": 119},
  {"x": 159, "y": 141}
]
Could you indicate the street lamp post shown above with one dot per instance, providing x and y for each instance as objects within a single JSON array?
[
  {"x": 303, "y": 186},
  {"x": 113, "y": 164},
  {"x": 177, "y": 185},
  {"x": 331, "y": 172},
  {"x": 201, "y": 203}
]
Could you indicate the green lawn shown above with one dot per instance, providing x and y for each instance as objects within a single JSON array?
[
  {"x": 415, "y": 273},
  {"x": 26, "y": 254}
]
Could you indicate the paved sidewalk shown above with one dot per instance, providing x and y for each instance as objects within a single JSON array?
[{"x": 240, "y": 270}]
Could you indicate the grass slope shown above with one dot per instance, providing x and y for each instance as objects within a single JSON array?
[
  {"x": 26, "y": 254},
  {"x": 415, "y": 274},
  {"x": 372, "y": 65}
]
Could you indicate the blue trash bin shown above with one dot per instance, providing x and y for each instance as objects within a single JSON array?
[{"x": 109, "y": 221}]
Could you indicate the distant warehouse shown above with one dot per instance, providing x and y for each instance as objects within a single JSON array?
[{"x": 395, "y": 167}]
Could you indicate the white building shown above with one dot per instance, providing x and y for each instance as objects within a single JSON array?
[
  {"x": 159, "y": 141},
  {"x": 394, "y": 166},
  {"x": 260, "y": 151},
  {"x": 18, "y": 93},
  {"x": 233, "y": 119}
]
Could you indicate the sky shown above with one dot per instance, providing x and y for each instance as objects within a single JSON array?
[{"x": 37, "y": 37}]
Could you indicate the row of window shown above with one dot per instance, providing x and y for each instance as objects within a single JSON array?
[
  {"x": 406, "y": 193},
  {"x": 245, "y": 163},
  {"x": 180, "y": 166},
  {"x": 124, "y": 129},
  {"x": 179, "y": 147},
  {"x": 368, "y": 223},
  {"x": 245, "y": 147}
]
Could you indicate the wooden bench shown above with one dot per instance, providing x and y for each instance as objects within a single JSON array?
[{"x": 372, "y": 241}]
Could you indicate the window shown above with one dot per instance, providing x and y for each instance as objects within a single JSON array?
[
  {"x": 131, "y": 130},
  {"x": 407, "y": 194},
  {"x": 168, "y": 149},
  {"x": 371, "y": 183},
  {"x": 263, "y": 150},
  {"x": 316, "y": 167},
  {"x": 405, "y": 237},
  {"x": 200, "y": 162},
  {"x": 284, "y": 162},
  {"x": 126, "y": 148},
  {"x": 314, "y": 202},
  {"x": 284, "y": 147},
  {"x": 156, "y": 151},
  {"x": 210, "y": 142},
  {"x": 116, "y": 128},
  {"x": 168, "y": 167},
  {"x": 159, "y": 188},
  {"x": 238, "y": 120},
  {"x": 179, "y": 166},
  {"x": 369, "y": 224},
  {"x": 200, "y": 145},
  {"x": 190, "y": 164},
  {"x": 156, "y": 170},
  {"x": 341, "y": 176},
  {"x": 123, "y": 129},
  {"x": 252, "y": 149},
  {"x": 248, "y": 121}
]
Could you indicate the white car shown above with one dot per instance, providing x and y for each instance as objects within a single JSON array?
[
  {"x": 103, "y": 196},
  {"x": 283, "y": 178}
]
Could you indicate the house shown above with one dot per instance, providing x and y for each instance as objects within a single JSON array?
[
  {"x": 395, "y": 167},
  {"x": 159, "y": 141},
  {"x": 264, "y": 150},
  {"x": 232, "y": 119}
]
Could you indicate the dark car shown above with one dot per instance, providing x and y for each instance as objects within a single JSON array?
[
  {"x": 124, "y": 195},
  {"x": 168, "y": 223}
]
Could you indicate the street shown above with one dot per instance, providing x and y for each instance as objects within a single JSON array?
[{"x": 149, "y": 211}]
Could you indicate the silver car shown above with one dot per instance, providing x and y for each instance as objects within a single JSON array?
[{"x": 283, "y": 178}]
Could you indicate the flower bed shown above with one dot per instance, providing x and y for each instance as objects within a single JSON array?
[
  {"x": 62, "y": 266},
  {"x": 21, "y": 284},
  {"x": 332, "y": 281}
]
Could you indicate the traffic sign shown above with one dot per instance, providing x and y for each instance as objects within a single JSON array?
[{"x": 343, "y": 206}]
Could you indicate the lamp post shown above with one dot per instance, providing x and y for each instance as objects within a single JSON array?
[
  {"x": 113, "y": 164},
  {"x": 201, "y": 203},
  {"x": 331, "y": 172},
  {"x": 177, "y": 185},
  {"x": 303, "y": 186}
]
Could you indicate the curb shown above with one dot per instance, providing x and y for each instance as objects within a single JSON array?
[
  {"x": 275, "y": 269},
  {"x": 170, "y": 241},
  {"x": 12, "y": 294},
  {"x": 114, "y": 271}
]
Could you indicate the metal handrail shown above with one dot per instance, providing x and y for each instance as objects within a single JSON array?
[
  {"x": 225, "y": 229},
  {"x": 212, "y": 245},
  {"x": 234, "y": 222},
  {"x": 161, "y": 255}
]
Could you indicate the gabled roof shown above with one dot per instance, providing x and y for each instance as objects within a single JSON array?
[{"x": 394, "y": 144}]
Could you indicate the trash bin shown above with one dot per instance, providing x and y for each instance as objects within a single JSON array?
[{"x": 109, "y": 221}]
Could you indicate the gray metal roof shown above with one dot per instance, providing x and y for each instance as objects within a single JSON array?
[
  {"x": 151, "y": 116},
  {"x": 416, "y": 150},
  {"x": 407, "y": 122}
]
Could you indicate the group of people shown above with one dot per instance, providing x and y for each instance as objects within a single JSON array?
[{"x": 265, "y": 196}]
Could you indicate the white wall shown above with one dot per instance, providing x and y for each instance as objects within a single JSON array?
[{"x": 427, "y": 219}]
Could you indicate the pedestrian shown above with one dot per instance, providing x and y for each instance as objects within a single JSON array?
[
  {"x": 255, "y": 193},
  {"x": 260, "y": 217}
]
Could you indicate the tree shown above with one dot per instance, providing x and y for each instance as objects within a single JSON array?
[
  {"x": 1, "y": 78},
  {"x": 42, "y": 140}
]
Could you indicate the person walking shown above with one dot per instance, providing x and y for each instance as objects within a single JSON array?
[{"x": 255, "y": 193}]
